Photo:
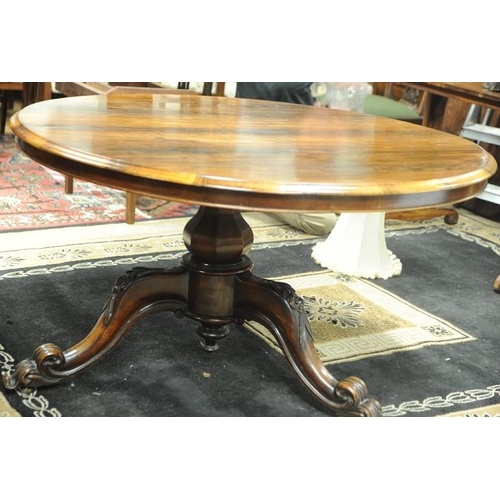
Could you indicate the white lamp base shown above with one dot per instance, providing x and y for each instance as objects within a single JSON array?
[{"x": 356, "y": 246}]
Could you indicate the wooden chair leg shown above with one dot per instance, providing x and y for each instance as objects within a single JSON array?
[
  {"x": 130, "y": 199},
  {"x": 130, "y": 204},
  {"x": 68, "y": 184}
]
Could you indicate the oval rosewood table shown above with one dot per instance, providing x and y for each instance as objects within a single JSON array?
[{"x": 229, "y": 155}]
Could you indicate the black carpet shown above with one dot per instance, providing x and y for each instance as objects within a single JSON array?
[{"x": 159, "y": 370}]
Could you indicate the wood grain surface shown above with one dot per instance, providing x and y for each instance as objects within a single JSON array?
[{"x": 251, "y": 154}]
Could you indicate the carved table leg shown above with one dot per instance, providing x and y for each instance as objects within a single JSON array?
[
  {"x": 135, "y": 294},
  {"x": 215, "y": 287},
  {"x": 277, "y": 307}
]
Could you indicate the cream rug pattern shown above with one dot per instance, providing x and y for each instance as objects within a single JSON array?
[{"x": 354, "y": 319}]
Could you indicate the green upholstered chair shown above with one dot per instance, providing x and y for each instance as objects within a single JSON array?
[{"x": 380, "y": 105}]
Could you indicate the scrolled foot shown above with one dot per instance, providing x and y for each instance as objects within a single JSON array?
[
  {"x": 40, "y": 369},
  {"x": 451, "y": 219},
  {"x": 350, "y": 394}
]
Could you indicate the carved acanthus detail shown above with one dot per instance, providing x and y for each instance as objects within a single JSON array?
[{"x": 120, "y": 287}]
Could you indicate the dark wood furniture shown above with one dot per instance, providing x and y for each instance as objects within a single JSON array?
[
  {"x": 7, "y": 90},
  {"x": 467, "y": 92},
  {"x": 440, "y": 92},
  {"x": 30, "y": 92},
  {"x": 245, "y": 155}
]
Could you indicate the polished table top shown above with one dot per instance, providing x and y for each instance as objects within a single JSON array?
[{"x": 251, "y": 154}]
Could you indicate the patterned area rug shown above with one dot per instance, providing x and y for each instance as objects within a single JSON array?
[
  {"x": 32, "y": 197},
  {"x": 425, "y": 342},
  {"x": 354, "y": 319},
  {"x": 485, "y": 411}
]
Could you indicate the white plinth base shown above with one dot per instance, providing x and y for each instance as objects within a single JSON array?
[{"x": 356, "y": 246}]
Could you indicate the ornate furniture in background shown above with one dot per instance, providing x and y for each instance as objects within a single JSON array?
[{"x": 475, "y": 96}]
